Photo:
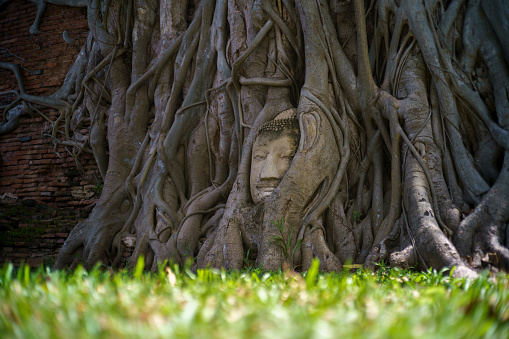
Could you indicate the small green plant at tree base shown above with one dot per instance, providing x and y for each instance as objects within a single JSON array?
[
  {"x": 357, "y": 216},
  {"x": 247, "y": 265},
  {"x": 98, "y": 188},
  {"x": 285, "y": 245}
]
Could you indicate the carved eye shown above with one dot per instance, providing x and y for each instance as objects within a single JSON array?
[
  {"x": 289, "y": 154},
  {"x": 259, "y": 156}
]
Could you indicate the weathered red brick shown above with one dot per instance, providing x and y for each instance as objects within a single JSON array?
[{"x": 30, "y": 169}]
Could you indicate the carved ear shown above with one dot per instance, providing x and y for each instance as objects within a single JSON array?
[{"x": 309, "y": 129}]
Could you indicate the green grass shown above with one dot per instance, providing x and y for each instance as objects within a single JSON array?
[{"x": 251, "y": 304}]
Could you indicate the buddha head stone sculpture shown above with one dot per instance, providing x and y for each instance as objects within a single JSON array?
[{"x": 273, "y": 150}]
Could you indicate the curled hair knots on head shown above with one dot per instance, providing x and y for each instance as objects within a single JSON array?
[{"x": 286, "y": 120}]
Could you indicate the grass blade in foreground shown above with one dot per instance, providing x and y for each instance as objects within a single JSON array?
[{"x": 251, "y": 304}]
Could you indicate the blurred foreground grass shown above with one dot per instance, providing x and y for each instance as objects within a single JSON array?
[{"x": 250, "y": 304}]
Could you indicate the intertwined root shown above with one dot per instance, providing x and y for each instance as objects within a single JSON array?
[
  {"x": 482, "y": 236},
  {"x": 175, "y": 93}
]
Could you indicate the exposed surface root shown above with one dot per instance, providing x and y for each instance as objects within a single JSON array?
[{"x": 402, "y": 113}]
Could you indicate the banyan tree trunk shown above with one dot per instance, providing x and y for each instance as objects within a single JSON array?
[{"x": 402, "y": 107}]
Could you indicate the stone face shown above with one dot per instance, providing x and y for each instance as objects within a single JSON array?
[{"x": 273, "y": 150}]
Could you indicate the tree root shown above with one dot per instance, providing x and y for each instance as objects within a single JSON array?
[
  {"x": 382, "y": 170},
  {"x": 486, "y": 224}
]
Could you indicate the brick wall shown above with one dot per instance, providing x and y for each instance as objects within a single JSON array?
[
  {"x": 34, "y": 233},
  {"x": 31, "y": 170}
]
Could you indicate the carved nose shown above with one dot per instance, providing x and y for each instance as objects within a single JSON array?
[{"x": 269, "y": 169}]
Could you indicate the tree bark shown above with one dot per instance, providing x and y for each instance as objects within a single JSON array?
[{"x": 390, "y": 164}]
